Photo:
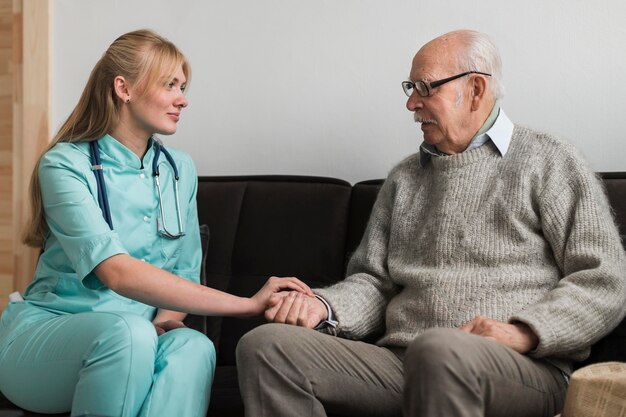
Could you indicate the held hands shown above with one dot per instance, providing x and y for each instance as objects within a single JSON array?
[
  {"x": 262, "y": 299},
  {"x": 299, "y": 309},
  {"x": 518, "y": 336}
]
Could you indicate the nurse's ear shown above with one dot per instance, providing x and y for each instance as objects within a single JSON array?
[{"x": 122, "y": 89}]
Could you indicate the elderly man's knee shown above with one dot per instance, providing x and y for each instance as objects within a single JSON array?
[
  {"x": 436, "y": 347},
  {"x": 263, "y": 341}
]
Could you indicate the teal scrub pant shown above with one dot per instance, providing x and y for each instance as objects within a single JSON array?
[{"x": 108, "y": 364}]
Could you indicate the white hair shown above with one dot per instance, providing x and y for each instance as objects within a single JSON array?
[{"x": 479, "y": 53}]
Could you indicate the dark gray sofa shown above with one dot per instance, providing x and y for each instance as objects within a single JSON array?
[{"x": 298, "y": 226}]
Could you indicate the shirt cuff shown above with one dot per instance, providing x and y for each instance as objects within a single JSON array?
[{"x": 330, "y": 321}]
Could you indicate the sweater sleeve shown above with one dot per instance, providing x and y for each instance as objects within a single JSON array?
[
  {"x": 359, "y": 302},
  {"x": 590, "y": 298}
]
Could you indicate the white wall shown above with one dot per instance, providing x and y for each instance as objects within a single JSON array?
[{"x": 312, "y": 87}]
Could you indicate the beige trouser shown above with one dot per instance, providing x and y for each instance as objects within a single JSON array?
[{"x": 291, "y": 371}]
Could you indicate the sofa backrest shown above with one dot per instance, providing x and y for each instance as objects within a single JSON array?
[
  {"x": 308, "y": 227},
  {"x": 269, "y": 225},
  {"x": 362, "y": 200},
  {"x": 615, "y": 183},
  {"x": 613, "y": 346}
]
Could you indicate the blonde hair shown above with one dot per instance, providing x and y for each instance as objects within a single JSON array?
[{"x": 142, "y": 57}]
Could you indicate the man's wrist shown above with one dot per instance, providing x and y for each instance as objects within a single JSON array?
[
  {"x": 532, "y": 340},
  {"x": 330, "y": 319}
]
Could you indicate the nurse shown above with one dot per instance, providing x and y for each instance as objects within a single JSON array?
[{"x": 100, "y": 331}]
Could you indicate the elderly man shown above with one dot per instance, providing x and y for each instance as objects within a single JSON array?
[{"x": 490, "y": 263}]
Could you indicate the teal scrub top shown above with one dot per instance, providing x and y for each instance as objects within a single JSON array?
[{"x": 79, "y": 237}]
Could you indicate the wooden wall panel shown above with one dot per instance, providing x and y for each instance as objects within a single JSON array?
[
  {"x": 6, "y": 148},
  {"x": 24, "y": 129},
  {"x": 32, "y": 122}
]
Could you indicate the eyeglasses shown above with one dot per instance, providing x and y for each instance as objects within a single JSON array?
[{"x": 424, "y": 89}]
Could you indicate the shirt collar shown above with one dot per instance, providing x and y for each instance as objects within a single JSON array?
[
  {"x": 116, "y": 151},
  {"x": 500, "y": 133}
]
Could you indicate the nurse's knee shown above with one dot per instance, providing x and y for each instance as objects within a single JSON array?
[
  {"x": 192, "y": 345},
  {"x": 200, "y": 344},
  {"x": 126, "y": 335}
]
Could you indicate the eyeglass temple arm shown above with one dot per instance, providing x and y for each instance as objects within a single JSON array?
[{"x": 437, "y": 83}]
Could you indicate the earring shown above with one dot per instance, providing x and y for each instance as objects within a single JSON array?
[{"x": 127, "y": 100}]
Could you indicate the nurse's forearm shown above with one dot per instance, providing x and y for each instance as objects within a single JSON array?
[{"x": 148, "y": 284}]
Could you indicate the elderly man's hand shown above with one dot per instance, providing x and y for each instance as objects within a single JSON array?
[
  {"x": 517, "y": 336},
  {"x": 292, "y": 307}
]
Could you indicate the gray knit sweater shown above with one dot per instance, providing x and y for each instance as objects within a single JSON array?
[{"x": 526, "y": 237}]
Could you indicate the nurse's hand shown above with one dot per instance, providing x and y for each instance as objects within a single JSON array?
[
  {"x": 261, "y": 300},
  {"x": 165, "y": 326}
]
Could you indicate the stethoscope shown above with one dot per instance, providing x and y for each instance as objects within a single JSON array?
[{"x": 103, "y": 199}]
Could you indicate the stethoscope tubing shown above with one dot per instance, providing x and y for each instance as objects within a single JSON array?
[{"x": 103, "y": 199}]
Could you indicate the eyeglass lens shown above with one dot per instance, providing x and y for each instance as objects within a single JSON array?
[{"x": 420, "y": 86}]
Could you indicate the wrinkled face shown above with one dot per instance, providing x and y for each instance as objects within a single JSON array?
[
  {"x": 444, "y": 115},
  {"x": 159, "y": 111}
]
